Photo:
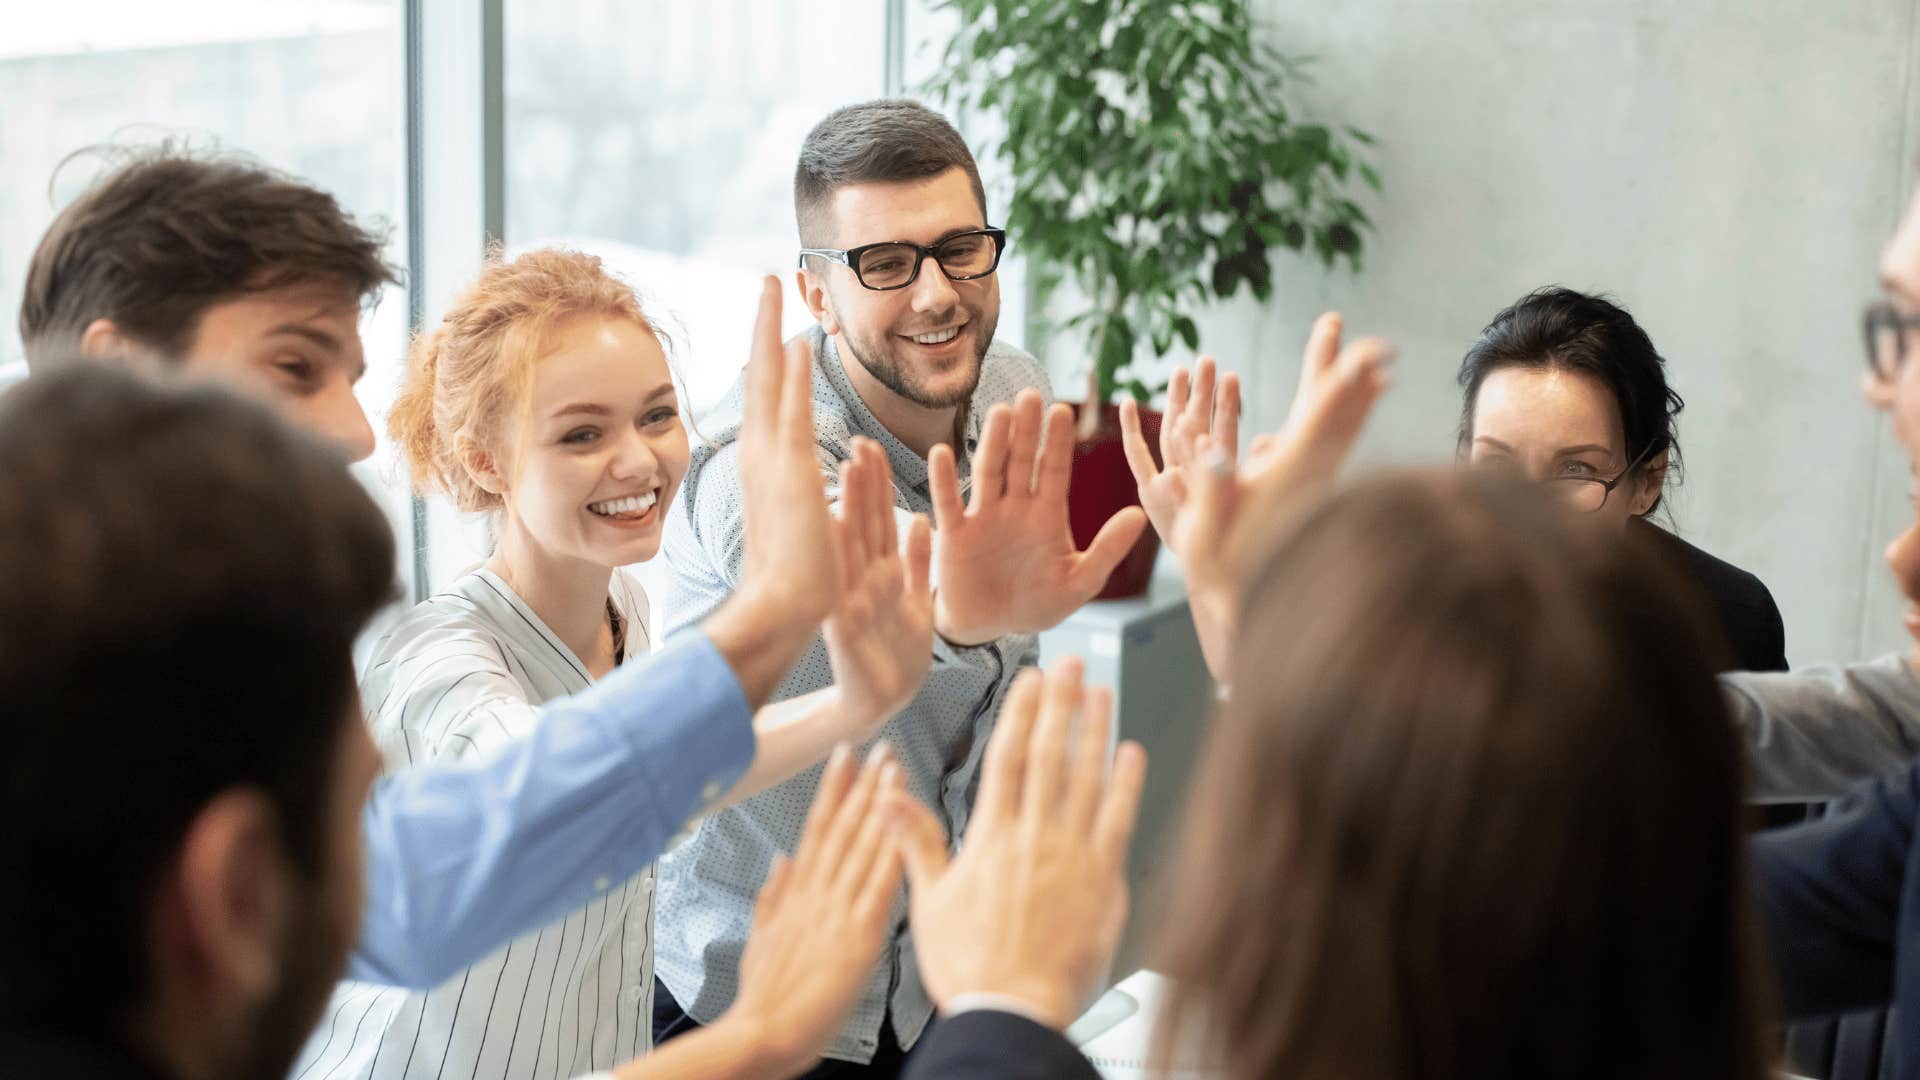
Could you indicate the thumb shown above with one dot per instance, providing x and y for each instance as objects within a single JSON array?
[
  {"x": 1323, "y": 345},
  {"x": 1111, "y": 544},
  {"x": 923, "y": 844}
]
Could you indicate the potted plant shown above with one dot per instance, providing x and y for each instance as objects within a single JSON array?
[{"x": 1155, "y": 166}]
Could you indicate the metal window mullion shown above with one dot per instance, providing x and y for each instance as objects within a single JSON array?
[
  {"x": 455, "y": 60},
  {"x": 894, "y": 38}
]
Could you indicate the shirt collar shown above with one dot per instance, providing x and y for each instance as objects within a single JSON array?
[{"x": 909, "y": 468}]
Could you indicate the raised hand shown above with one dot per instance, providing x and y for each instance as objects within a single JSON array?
[
  {"x": 1231, "y": 503},
  {"x": 791, "y": 578},
  {"x": 880, "y": 637},
  {"x": 818, "y": 928},
  {"x": 1033, "y": 905},
  {"x": 1213, "y": 510},
  {"x": 789, "y": 532},
  {"x": 1193, "y": 413},
  {"x": 1006, "y": 560},
  {"x": 823, "y": 917}
]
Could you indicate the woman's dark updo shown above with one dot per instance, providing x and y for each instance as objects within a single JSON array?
[{"x": 1558, "y": 329}]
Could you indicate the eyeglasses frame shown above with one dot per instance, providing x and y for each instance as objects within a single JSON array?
[
  {"x": 850, "y": 257},
  {"x": 1608, "y": 485},
  {"x": 1878, "y": 316}
]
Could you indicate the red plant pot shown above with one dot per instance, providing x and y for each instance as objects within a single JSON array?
[{"x": 1102, "y": 486}]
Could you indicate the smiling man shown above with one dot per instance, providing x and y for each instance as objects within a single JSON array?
[
  {"x": 898, "y": 263},
  {"x": 218, "y": 267},
  {"x": 208, "y": 265}
]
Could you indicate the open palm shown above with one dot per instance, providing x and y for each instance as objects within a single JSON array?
[
  {"x": 880, "y": 637},
  {"x": 1006, "y": 560}
]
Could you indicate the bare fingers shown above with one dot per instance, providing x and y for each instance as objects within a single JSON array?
[
  {"x": 1055, "y": 471},
  {"x": 1134, "y": 442},
  {"x": 1120, "y": 804},
  {"x": 1002, "y": 773}
]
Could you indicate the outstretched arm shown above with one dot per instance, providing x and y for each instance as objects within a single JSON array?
[
  {"x": 879, "y": 637},
  {"x": 462, "y": 859}
]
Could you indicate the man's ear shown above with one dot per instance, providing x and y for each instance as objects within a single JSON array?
[
  {"x": 1652, "y": 481},
  {"x": 102, "y": 340},
  {"x": 230, "y": 897},
  {"x": 813, "y": 292},
  {"x": 482, "y": 469}
]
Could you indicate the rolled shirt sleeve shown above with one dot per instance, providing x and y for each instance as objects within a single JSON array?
[{"x": 1813, "y": 733}]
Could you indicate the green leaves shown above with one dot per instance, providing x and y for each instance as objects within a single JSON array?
[{"x": 1156, "y": 163}]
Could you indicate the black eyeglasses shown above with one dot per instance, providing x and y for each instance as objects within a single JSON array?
[
  {"x": 895, "y": 264},
  {"x": 1886, "y": 334},
  {"x": 1587, "y": 494}
]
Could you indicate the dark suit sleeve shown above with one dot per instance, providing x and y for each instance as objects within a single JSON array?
[
  {"x": 1831, "y": 896},
  {"x": 983, "y": 1043},
  {"x": 1769, "y": 629}
]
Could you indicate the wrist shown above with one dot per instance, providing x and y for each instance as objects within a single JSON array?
[
  {"x": 848, "y": 720},
  {"x": 760, "y": 636},
  {"x": 1035, "y": 1000},
  {"x": 956, "y": 633},
  {"x": 755, "y": 1043}
]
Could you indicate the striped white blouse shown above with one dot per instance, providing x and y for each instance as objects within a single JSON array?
[{"x": 454, "y": 678}]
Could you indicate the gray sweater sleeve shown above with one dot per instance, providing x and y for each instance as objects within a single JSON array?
[{"x": 1814, "y": 732}]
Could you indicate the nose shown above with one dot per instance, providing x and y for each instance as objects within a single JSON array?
[
  {"x": 1878, "y": 390},
  {"x": 933, "y": 290},
  {"x": 337, "y": 416},
  {"x": 633, "y": 458},
  {"x": 1903, "y": 556}
]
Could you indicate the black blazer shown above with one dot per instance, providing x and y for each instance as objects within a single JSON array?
[
  {"x": 1840, "y": 902},
  {"x": 1741, "y": 601},
  {"x": 1001, "y": 1045}
]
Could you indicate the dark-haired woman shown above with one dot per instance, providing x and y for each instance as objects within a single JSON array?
[{"x": 1565, "y": 389}]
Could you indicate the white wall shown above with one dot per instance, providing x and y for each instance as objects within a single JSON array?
[{"x": 1729, "y": 170}]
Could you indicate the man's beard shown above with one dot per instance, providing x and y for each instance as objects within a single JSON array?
[
  {"x": 312, "y": 959},
  {"x": 879, "y": 355}
]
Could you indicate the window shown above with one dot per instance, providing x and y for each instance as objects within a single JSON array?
[
  {"x": 313, "y": 89},
  {"x": 662, "y": 136}
]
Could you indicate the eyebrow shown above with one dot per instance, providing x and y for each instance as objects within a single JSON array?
[
  {"x": 1583, "y": 448},
  {"x": 325, "y": 341},
  {"x": 935, "y": 242},
  {"x": 590, "y": 408},
  {"x": 316, "y": 336}
]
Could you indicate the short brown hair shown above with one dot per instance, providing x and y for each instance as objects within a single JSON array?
[
  {"x": 1472, "y": 811},
  {"x": 169, "y": 232},
  {"x": 178, "y": 614},
  {"x": 888, "y": 141}
]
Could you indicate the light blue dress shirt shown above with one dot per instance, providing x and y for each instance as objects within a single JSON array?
[{"x": 462, "y": 859}]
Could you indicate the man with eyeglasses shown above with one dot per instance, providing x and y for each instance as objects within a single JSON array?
[
  {"x": 897, "y": 265},
  {"x": 1813, "y": 732},
  {"x": 1840, "y": 897}
]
